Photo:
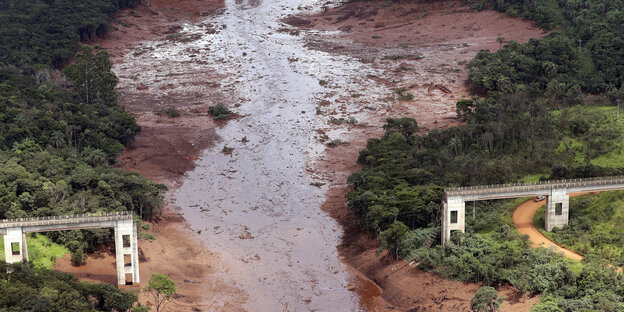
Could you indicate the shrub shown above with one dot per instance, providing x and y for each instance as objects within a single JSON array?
[
  {"x": 220, "y": 112},
  {"x": 78, "y": 257},
  {"x": 170, "y": 111}
]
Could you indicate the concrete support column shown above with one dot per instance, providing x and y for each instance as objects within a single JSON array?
[
  {"x": 13, "y": 236},
  {"x": 453, "y": 217},
  {"x": 127, "y": 256},
  {"x": 557, "y": 209}
]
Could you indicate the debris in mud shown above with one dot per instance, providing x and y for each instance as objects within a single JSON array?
[
  {"x": 181, "y": 37},
  {"x": 336, "y": 142},
  {"x": 246, "y": 235},
  {"x": 172, "y": 30},
  {"x": 256, "y": 257},
  {"x": 443, "y": 88},
  {"x": 296, "y": 21}
]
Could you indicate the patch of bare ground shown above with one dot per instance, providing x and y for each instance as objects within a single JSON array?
[
  {"x": 176, "y": 253},
  {"x": 421, "y": 49},
  {"x": 165, "y": 149}
]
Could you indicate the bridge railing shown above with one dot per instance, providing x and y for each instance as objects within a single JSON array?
[
  {"x": 522, "y": 187},
  {"x": 67, "y": 219}
]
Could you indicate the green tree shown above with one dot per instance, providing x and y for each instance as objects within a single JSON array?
[
  {"x": 92, "y": 76},
  {"x": 485, "y": 300},
  {"x": 548, "y": 304},
  {"x": 391, "y": 238},
  {"x": 500, "y": 40},
  {"x": 406, "y": 126},
  {"x": 464, "y": 108},
  {"x": 161, "y": 288}
]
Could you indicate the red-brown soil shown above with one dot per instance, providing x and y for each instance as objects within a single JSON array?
[
  {"x": 163, "y": 151},
  {"x": 523, "y": 219},
  {"x": 421, "y": 48}
]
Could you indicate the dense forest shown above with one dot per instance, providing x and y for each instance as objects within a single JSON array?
[
  {"x": 60, "y": 131},
  {"x": 39, "y": 34},
  {"x": 30, "y": 289},
  {"x": 548, "y": 110}
]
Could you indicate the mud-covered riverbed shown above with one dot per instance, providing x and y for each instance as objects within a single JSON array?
[{"x": 251, "y": 197}]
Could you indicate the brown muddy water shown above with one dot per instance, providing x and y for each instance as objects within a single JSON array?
[{"x": 256, "y": 206}]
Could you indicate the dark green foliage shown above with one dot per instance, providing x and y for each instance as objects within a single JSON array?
[
  {"x": 52, "y": 117},
  {"x": 56, "y": 145},
  {"x": 220, "y": 112},
  {"x": 595, "y": 227},
  {"x": 404, "y": 95},
  {"x": 485, "y": 300},
  {"x": 464, "y": 109},
  {"x": 532, "y": 122},
  {"x": 586, "y": 53},
  {"x": 405, "y": 126},
  {"x": 92, "y": 77},
  {"x": 78, "y": 256},
  {"x": 31, "y": 289},
  {"x": 46, "y": 33}
]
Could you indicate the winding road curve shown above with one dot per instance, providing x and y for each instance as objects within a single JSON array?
[{"x": 523, "y": 219}]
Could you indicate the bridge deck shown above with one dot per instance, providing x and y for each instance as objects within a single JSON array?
[
  {"x": 65, "y": 222},
  {"x": 540, "y": 188}
]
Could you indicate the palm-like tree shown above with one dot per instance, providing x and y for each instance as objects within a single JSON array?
[
  {"x": 57, "y": 139},
  {"x": 96, "y": 157},
  {"x": 455, "y": 145}
]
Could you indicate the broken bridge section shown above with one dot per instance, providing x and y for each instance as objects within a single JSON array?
[
  {"x": 126, "y": 249},
  {"x": 557, "y": 195}
]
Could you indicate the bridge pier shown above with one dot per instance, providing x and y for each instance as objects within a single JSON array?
[
  {"x": 15, "y": 248},
  {"x": 556, "y": 193},
  {"x": 126, "y": 251},
  {"x": 557, "y": 208},
  {"x": 126, "y": 247},
  {"x": 453, "y": 217}
]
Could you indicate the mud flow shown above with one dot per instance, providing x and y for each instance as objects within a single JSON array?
[{"x": 251, "y": 197}]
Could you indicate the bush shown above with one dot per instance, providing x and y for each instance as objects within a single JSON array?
[
  {"x": 220, "y": 112},
  {"x": 78, "y": 257},
  {"x": 170, "y": 111}
]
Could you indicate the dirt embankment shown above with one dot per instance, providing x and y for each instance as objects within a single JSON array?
[
  {"x": 164, "y": 150},
  {"x": 422, "y": 49}
]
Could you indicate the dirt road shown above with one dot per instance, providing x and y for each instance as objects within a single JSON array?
[{"x": 523, "y": 219}]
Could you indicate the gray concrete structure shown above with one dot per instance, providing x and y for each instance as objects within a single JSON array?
[
  {"x": 557, "y": 195},
  {"x": 126, "y": 248}
]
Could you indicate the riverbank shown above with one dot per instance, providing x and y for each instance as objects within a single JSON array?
[
  {"x": 164, "y": 150},
  {"x": 421, "y": 49}
]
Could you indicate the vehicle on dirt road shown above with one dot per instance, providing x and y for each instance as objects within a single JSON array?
[{"x": 538, "y": 198}]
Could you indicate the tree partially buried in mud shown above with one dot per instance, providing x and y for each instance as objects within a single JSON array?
[{"x": 161, "y": 288}]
